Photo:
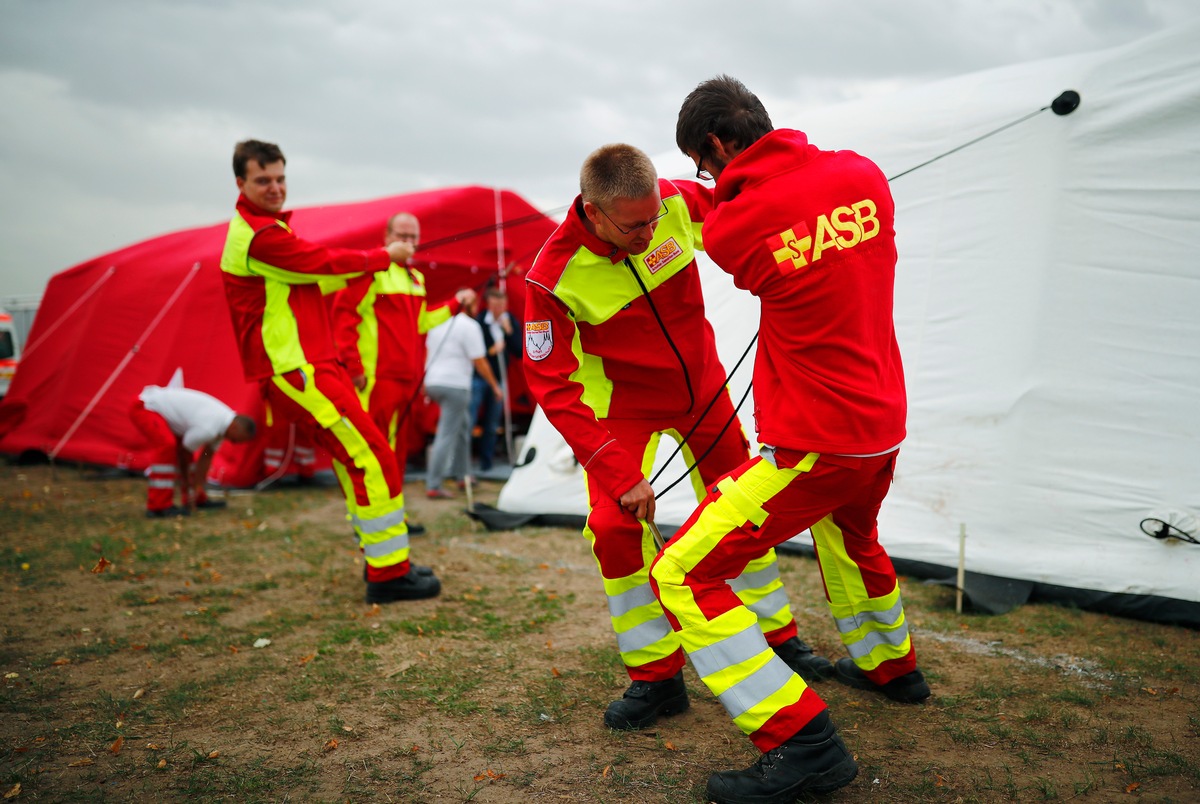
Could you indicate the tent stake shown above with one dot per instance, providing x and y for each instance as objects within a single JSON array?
[{"x": 962, "y": 555}]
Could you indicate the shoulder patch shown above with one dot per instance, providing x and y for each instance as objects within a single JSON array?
[{"x": 539, "y": 339}]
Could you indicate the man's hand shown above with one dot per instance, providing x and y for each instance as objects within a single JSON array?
[
  {"x": 400, "y": 251},
  {"x": 466, "y": 297},
  {"x": 505, "y": 322},
  {"x": 639, "y": 501},
  {"x": 360, "y": 381}
]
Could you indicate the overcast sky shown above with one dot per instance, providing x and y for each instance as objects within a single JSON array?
[{"x": 118, "y": 117}]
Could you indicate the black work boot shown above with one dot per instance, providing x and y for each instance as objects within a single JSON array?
[
  {"x": 799, "y": 656},
  {"x": 644, "y": 701},
  {"x": 413, "y": 586},
  {"x": 815, "y": 760},
  {"x": 908, "y": 688}
]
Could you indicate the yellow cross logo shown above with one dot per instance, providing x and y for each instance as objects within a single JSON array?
[{"x": 793, "y": 247}]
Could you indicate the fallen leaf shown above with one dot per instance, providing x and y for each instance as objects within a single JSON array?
[
  {"x": 1150, "y": 690},
  {"x": 329, "y": 746},
  {"x": 607, "y": 771},
  {"x": 115, "y": 748},
  {"x": 82, "y": 762},
  {"x": 101, "y": 565},
  {"x": 670, "y": 746},
  {"x": 162, "y": 763},
  {"x": 60, "y": 661},
  {"x": 306, "y": 659},
  {"x": 214, "y": 754},
  {"x": 13, "y": 791},
  {"x": 554, "y": 672},
  {"x": 374, "y": 610},
  {"x": 153, "y": 746},
  {"x": 1133, "y": 787}
]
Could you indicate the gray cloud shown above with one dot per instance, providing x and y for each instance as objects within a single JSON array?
[{"x": 120, "y": 116}]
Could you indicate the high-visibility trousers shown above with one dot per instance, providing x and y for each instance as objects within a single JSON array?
[
  {"x": 760, "y": 505},
  {"x": 321, "y": 400},
  {"x": 624, "y": 546},
  {"x": 161, "y": 472},
  {"x": 390, "y": 405}
]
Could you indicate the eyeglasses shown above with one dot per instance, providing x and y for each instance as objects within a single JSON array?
[
  {"x": 701, "y": 173},
  {"x": 635, "y": 227}
]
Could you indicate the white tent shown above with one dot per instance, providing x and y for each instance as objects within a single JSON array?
[{"x": 1048, "y": 311}]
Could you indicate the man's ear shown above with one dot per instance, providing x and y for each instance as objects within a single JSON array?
[
  {"x": 591, "y": 211},
  {"x": 722, "y": 150}
]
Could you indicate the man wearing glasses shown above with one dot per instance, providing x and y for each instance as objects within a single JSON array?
[
  {"x": 811, "y": 233},
  {"x": 618, "y": 353}
]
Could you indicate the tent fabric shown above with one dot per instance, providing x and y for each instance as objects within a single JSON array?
[
  {"x": 114, "y": 324},
  {"x": 1046, "y": 307}
]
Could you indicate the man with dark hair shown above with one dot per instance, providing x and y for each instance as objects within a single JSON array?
[
  {"x": 501, "y": 339},
  {"x": 184, "y": 428},
  {"x": 809, "y": 232},
  {"x": 618, "y": 354},
  {"x": 283, "y": 332}
]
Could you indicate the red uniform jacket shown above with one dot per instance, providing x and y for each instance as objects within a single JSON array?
[{"x": 811, "y": 233}]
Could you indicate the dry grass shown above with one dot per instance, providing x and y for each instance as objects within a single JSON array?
[{"x": 144, "y": 683}]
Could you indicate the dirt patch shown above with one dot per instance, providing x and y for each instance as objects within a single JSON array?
[{"x": 230, "y": 655}]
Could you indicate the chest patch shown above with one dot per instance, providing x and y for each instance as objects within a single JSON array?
[
  {"x": 539, "y": 339},
  {"x": 662, "y": 256}
]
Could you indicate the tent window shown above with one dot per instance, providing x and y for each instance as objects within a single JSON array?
[{"x": 6, "y": 345}]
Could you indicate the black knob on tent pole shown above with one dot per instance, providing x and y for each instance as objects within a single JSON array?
[{"x": 1065, "y": 103}]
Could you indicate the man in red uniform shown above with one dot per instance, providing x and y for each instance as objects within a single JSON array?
[
  {"x": 379, "y": 321},
  {"x": 283, "y": 332},
  {"x": 809, "y": 232},
  {"x": 184, "y": 428},
  {"x": 618, "y": 353}
]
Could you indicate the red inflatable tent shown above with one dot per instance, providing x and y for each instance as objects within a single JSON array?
[{"x": 112, "y": 325}]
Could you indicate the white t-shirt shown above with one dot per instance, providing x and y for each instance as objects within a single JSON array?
[
  {"x": 196, "y": 417},
  {"x": 450, "y": 351}
]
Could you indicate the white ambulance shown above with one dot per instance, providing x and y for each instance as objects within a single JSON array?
[{"x": 10, "y": 351}]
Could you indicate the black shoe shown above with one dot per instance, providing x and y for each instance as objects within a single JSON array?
[
  {"x": 414, "y": 529},
  {"x": 813, "y": 761},
  {"x": 413, "y": 586},
  {"x": 212, "y": 504},
  {"x": 908, "y": 688},
  {"x": 800, "y": 657},
  {"x": 644, "y": 701},
  {"x": 166, "y": 513}
]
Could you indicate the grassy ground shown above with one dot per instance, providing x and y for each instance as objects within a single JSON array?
[{"x": 230, "y": 656}]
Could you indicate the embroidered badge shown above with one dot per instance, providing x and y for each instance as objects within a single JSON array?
[
  {"x": 658, "y": 259},
  {"x": 539, "y": 339}
]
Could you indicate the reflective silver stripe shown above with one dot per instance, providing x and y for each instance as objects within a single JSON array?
[
  {"x": 161, "y": 484},
  {"x": 864, "y": 646},
  {"x": 644, "y": 635},
  {"x": 629, "y": 600},
  {"x": 756, "y": 688},
  {"x": 770, "y": 604},
  {"x": 161, "y": 468},
  {"x": 386, "y": 547},
  {"x": 755, "y": 580},
  {"x": 378, "y": 524},
  {"x": 745, "y": 644},
  {"x": 846, "y": 625}
]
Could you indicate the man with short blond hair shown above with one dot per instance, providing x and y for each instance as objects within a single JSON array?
[{"x": 618, "y": 354}]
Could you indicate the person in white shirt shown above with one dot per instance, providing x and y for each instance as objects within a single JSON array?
[
  {"x": 454, "y": 351},
  {"x": 183, "y": 428}
]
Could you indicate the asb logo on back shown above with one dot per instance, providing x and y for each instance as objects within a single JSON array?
[{"x": 844, "y": 227}]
